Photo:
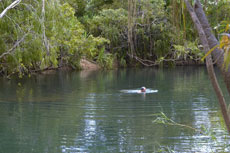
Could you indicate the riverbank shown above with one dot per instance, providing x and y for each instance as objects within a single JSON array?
[{"x": 88, "y": 65}]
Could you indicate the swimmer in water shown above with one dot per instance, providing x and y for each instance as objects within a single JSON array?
[{"x": 143, "y": 89}]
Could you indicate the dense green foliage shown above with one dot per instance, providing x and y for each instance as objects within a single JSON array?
[
  {"x": 67, "y": 40},
  {"x": 33, "y": 38}
]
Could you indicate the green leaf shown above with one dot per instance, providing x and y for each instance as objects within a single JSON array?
[{"x": 209, "y": 52}]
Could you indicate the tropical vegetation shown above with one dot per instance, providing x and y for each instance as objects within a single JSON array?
[{"x": 39, "y": 35}]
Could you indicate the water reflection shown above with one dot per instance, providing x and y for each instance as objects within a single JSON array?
[{"x": 86, "y": 112}]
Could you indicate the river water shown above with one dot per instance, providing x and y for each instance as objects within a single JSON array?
[{"x": 88, "y": 112}]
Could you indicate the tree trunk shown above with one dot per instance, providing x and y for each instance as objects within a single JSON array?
[
  {"x": 209, "y": 64},
  {"x": 131, "y": 21},
  {"x": 217, "y": 54},
  {"x": 46, "y": 43}
]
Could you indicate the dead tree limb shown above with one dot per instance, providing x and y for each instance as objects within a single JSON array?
[
  {"x": 13, "y": 48},
  {"x": 12, "y": 5},
  {"x": 209, "y": 65}
]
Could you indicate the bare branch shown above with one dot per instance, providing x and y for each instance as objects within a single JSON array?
[
  {"x": 15, "y": 45},
  {"x": 147, "y": 63},
  {"x": 12, "y": 5}
]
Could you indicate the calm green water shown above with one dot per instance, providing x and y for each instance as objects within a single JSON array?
[{"x": 86, "y": 112}]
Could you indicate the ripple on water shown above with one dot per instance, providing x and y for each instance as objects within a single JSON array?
[
  {"x": 75, "y": 114},
  {"x": 138, "y": 91}
]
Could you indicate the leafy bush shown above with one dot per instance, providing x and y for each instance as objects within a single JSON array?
[
  {"x": 58, "y": 40},
  {"x": 188, "y": 51}
]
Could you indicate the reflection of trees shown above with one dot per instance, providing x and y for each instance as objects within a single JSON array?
[
  {"x": 85, "y": 110},
  {"x": 188, "y": 103},
  {"x": 39, "y": 114}
]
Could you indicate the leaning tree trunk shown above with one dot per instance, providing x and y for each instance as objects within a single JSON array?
[
  {"x": 209, "y": 64},
  {"x": 217, "y": 54}
]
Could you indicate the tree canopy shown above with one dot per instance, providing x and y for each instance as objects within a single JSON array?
[{"x": 40, "y": 34}]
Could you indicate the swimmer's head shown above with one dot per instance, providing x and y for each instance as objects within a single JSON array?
[{"x": 143, "y": 89}]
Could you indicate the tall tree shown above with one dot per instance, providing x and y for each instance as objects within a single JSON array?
[
  {"x": 217, "y": 54},
  {"x": 204, "y": 41},
  {"x": 131, "y": 23}
]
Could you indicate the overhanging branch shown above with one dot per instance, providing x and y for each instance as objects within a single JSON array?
[
  {"x": 15, "y": 45},
  {"x": 12, "y": 5}
]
